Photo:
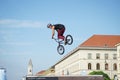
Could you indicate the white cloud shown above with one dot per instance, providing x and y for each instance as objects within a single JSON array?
[
  {"x": 21, "y": 23},
  {"x": 17, "y": 43}
]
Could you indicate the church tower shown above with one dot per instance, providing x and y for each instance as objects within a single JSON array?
[{"x": 30, "y": 68}]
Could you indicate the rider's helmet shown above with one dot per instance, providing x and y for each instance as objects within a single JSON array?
[{"x": 49, "y": 25}]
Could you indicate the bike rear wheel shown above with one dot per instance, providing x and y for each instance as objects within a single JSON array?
[
  {"x": 61, "y": 49},
  {"x": 69, "y": 39}
]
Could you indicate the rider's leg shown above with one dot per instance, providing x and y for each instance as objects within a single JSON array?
[{"x": 60, "y": 34}]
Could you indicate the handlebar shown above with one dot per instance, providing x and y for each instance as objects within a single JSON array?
[
  {"x": 58, "y": 41},
  {"x": 55, "y": 39}
]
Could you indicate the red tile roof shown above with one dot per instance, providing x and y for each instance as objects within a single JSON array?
[
  {"x": 102, "y": 41},
  {"x": 40, "y": 73}
]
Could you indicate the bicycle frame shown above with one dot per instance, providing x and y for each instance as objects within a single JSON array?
[{"x": 58, "y": 41}]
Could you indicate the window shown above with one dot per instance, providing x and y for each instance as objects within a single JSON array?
[
  {"x": 62, "y": 72},
  {"x": 89, "y": 66},
  {"x": 98, "y": 66},
  {"x": 106, "y": 66},
  {"x": 106, "y": 56},
  {"x": 67, "y": 72},
  {"x": 89, "y": 56},
  {"x": 97, "y": 56},
  {"x": 114, "y": 56},
  {"x": 114, "y": 66}
]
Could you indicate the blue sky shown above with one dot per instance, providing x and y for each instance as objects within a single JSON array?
[{"x": 24, "y": 35}]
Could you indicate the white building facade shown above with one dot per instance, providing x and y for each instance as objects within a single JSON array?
[
  {"x": 118, "y": 58},
  {"x": 88, "y": 59},
  {"x": 30, "y": 68},
  {"x": 83, "y": 60}
]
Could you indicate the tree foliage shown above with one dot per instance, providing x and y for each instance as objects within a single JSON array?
[{"x": 106, "y": 77}]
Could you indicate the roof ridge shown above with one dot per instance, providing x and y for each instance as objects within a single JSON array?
[
  {"x": 106, "y": 35},
  {"x": 102, "y": 41}
]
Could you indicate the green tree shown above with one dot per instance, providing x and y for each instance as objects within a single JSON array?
[{"x": 106, "y": 77}]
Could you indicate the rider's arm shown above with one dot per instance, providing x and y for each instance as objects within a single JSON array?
[{"x": 53, "y": 31}]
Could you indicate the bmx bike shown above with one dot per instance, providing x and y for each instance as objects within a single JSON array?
[{"x": 60, "y": 47}]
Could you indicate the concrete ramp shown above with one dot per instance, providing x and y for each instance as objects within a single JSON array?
[{"x": 67, "y": 78}]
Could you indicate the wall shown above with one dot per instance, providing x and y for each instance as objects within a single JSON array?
[
  {"x": 118, "y": 65},
  {"x": 67, "y": 78}
]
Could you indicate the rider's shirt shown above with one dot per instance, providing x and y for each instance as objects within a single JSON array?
[{"x": 58, "y": 26}]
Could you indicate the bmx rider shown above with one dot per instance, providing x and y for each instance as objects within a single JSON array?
[{"x": 60, "y": 28}]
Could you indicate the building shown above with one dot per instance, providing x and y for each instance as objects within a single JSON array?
[
  {"x": 3, "y": 74},
  {"x": 118, "y": 54},
  {"x": 49, "y": 75},
  {"x": 30, "y": 68},
  {"x": 29, "y": 71},
  {"x": 48, "y": 72},
  {"x": 41, "y": 73},
  {"x": 98, "y": 53}
]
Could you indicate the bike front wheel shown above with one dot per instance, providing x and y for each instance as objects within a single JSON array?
[
  {"x": 69, "y": 39},
  {"x": 61, "y": 49}
]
